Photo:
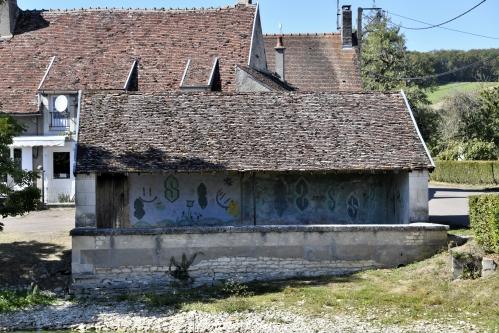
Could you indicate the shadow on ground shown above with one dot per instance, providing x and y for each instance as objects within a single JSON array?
[
  {"x": 453, "y": 221},
  {"x": 24, "y": 263}
]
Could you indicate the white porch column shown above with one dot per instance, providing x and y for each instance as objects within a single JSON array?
[
  {"x": 418, "y": 196},
  {"x": 27, "y": 159}
]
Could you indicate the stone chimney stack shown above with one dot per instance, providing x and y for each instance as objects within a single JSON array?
[
  {"x": 8, "y": 16},
  {"x": 346, "y": 26},
  {"x": 244, "y": 2},
  {"x": 279, "y": 58}
]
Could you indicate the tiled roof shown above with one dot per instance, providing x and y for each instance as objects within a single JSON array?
[
  {"x": 95, "y": 49},
  {"x": 267, "y": 79},
  {"x": 317, "y": 62},
  {"x": 133, "y": 132}
]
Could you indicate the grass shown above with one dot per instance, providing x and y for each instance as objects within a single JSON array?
[
  {"x": 461, "y": 232},
  {"x": 420, "y": 291},
  {"x": 449, "y": 89},
  {"x": 16, "y": 300}
]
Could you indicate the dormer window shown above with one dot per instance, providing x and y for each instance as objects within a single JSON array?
[{"x": 59, "y": 113}]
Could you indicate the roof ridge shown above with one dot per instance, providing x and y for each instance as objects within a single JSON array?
[{"x": 130, "y": 9}]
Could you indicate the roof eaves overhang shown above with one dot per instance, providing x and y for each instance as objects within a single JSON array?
[{"x": 409, "y": 109}]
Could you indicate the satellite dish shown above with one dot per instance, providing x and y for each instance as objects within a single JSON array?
[
  {"x": 61, "y": 103},
  {"x": 45, "y": 102}
]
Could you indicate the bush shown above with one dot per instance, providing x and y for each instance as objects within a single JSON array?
[
  {"x": 484, "y": 220},
  {"x": 466, "y": 172},
  {"x": 473, "y": 150}
]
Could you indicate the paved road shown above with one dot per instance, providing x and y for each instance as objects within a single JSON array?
[
  {"x": 55, "y": 220},
  {"x": 449, "y": 205}
]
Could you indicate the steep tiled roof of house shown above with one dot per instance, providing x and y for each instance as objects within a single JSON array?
[
  {"x": 317, "y": 62},
  {"x": 132, "y": 132},
  {"x": 95, "y": 49}
]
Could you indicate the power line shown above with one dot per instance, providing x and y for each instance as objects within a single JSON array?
[
  {"x": 448, "y": 21},
  {"x": 431, "y": 76},
  {"x": 450, "y": 29}
]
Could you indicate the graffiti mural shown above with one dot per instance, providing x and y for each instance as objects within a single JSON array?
[
  {"x": 353, "y": 207},
  {"x": 301, "y": 192},
  {"x": 171, "y": 189},
  {"x": 202, "y": 196},
  {"x": 280, "y": 192},
  {"x": 324, "y": 199},
  {"x": 184, "y": 200}
]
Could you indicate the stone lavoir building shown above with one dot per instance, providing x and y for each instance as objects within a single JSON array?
[
  {"x": 196, "y": 139},
  {"x": 247, "y": 185}
]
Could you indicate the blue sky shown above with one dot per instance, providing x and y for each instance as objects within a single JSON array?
[{"x": 320, "y": 16}]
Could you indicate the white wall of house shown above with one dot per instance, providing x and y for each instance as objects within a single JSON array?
[{"x": 55, "y": 188}]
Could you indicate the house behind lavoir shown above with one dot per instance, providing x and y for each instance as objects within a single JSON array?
[{"x": 200, "y": 138}]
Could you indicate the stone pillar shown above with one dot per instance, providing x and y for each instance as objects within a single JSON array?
[
  {"x": 418, "y": 196},
  {"x": 85, "y": 186}
]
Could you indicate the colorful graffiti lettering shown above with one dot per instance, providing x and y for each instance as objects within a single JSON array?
[
  {"x": 332, "y": 201},
  {"x": 302, "y": 191},
  {"x": 202, "y": 193},
  {"x": 280, "y": 202},
  {"x": 172, "y": 192},
  {"x": 353, "y": 207}
]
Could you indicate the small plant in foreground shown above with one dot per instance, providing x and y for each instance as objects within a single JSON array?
[{"x": 15, "y": 300}]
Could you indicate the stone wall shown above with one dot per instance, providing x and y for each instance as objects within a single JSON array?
[{"x": 113, "y": 261}]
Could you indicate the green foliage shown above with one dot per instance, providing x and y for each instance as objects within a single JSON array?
[
  {"x": 466, "y": 172},
  {"x": 15, "y": 300},
  {"x": 473, "y": 150},
  {"x": 446, "y": 60},
  {"x": 470, "y": 126},
  {"x": 484, "y": 220},
  {"x": 181, "y": 271},
  {"x": 20, "y": 197},
  {"x": 385, "y": 60}
]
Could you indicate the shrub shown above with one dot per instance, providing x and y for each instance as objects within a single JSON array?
[
  {"x": 473, "y": 150},
  {"x": 466, "y": 172},
  {"x": 484, "y": 220}
]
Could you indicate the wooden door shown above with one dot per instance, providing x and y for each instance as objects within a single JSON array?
[{"x": 112, "y": 201}]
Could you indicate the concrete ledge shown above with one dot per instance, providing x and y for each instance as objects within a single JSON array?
[
  {"x": 134, "y": 260},
  {"x": 261, "y": 229}
]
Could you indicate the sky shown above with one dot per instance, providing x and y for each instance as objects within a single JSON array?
[{"x": 310, "y": 16}]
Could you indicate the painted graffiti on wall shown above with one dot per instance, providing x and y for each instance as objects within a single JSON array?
[
  {"x": 322, "y": 198},
  {"x": 184, "y": 200}
]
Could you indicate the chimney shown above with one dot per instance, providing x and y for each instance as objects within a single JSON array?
[
  {"x": 279, "y": 58},
  {"x": 244, "y": 2},
  {"x": 8, "y": 16},
  {"x": 346, "y": 26}
]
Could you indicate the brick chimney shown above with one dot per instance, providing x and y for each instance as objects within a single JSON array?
[
  {"x": 244, "y": 2},
  {"x": 346, "y": 26},
  {"x": 279, "y": 58},
  {"x": 8, "y": 16}
]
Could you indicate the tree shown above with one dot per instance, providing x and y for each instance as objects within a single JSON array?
[
  {"x": 387, "y": 66},
  {"x": 19, "y": 196}
]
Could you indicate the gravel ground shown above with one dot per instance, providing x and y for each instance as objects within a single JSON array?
[{"x": 125, "y": 317}]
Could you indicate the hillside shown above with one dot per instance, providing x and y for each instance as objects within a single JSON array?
[{"x": 449, "y": 89}]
